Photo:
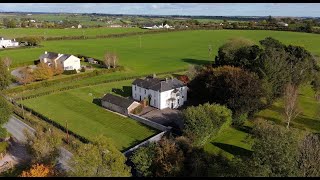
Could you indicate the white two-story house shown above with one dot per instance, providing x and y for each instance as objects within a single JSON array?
[
  {"x": 5, "y": 43},
  {"x": 160, "y": 93},
  {"x": 67, "y": 61}
]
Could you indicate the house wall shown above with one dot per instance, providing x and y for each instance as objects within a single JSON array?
[
  {"x": 159, "y": 100},
  {"x": 8, "y": 43},
  {"x": 114, "y": 107},
  {"x": 138, "y": 92},
  {"x": 132, "y": 106},
  {"x": 71, "y": 63}
]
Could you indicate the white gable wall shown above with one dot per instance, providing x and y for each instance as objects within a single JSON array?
[{"x": 72, "y": 63}]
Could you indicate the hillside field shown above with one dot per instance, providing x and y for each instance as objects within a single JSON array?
[{"x": 91, "y": 32}]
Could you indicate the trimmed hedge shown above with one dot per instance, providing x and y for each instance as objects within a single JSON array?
[
  {"x": 90, "y": 84},
  {"x": 68, "y": 72},
  {"x": 56, "y": 81}
]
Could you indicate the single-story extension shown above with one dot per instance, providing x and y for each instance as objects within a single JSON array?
[{"x": 118, "y": 104}]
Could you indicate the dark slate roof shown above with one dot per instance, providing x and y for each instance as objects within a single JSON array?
[
  {"x": 50, "y": 55},
  {"x": 64, "y": 57},
  {"x": 158, "y": 84},
  {"x": 117, "y": 100}
]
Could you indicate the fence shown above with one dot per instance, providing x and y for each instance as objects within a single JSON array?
[
  {"x": 148, "y": 122},
  {"x": 155, "y": 138}
]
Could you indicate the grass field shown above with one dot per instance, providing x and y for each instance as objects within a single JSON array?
[
  {"x": 88, "y": 119},
  {"x": 91, "y": 32},
  {"x": 161, "y": 52},
  {"x": 309, "y": 118}
]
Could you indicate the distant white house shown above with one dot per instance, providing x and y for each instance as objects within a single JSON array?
[
  {"x": 5, "y": 43},
  {"x": 149, "y": 26},
  {"x": 160, "y": 93},
  {"x": 79, "y": 26},
  {"x": 282, "y": 24},
  {"x": 67, "y": 61},
  {"x": 32, "y": 21},
  {"x": 115, "y": 25}
]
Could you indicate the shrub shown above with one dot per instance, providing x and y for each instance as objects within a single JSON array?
[
  {"x": 83, "y": 69},
  {"x": 239, "y": 120},
  {"x": 137, "y": 110},
  {"x": 68, "y": 72},
  {"x": 3, "y": 147}
]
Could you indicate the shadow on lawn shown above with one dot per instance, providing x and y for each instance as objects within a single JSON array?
[
  {"x": 196, "y": 61},
  {"x": 308, "y": 122},
  {"x": 124, "y": 92},
  {"x": 97, "y": 101},
  {"x": 235, "y": 150}
]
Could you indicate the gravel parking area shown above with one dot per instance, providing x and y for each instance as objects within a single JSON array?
[{"x": 166, "y": 117}]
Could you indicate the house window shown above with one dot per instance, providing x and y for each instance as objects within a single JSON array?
[
  {"x": 145, "y": 91},
  {"x": 135, "y": 88},
  {"x": 178, "y": 101}
]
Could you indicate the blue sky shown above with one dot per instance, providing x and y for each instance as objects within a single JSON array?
[{"x": 211, "y": 9}]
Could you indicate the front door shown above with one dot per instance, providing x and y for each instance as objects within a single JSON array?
[{"x": 172, "y": 105}]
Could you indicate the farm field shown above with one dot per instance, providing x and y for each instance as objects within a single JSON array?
[
  {"x": 91, "y": 32},
  {"x": 161, "y": 52},
  {"x": 89, "y": 119}
]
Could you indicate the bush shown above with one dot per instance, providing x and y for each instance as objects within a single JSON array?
[
  {"x": 3, "y": 147},
  {"x": 83, "y": 69},
  {"x": 239, "y": 120},
  {"x": 68, "y": 72},
  {"x": 137, "y": 110}
]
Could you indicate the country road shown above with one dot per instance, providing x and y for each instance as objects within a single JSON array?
[{"x": 16, "y": 128}]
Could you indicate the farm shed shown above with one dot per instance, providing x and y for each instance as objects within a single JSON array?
[{"x": 118, "y": 104}]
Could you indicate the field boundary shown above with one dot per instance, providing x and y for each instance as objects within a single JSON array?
[{"x": 90, "y": 84}]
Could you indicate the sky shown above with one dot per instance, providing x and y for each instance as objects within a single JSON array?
[{"x": 206, "y": 9}]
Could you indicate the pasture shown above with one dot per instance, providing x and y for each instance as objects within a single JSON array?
[
  {"x": 161, "y": 52},
  {"x": 88, "y": 119},
  {"x": 90, "y": 32}
]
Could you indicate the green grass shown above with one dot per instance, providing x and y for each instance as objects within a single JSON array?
[
  {"x": 91, "y": 32},
  {"x": 309, "y": 119},
  {"x": 231, "y": 142},
  {"x": 88, "y": 119},
  {"x": 161, "y": 52}
]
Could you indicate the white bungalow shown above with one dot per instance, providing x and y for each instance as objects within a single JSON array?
[
  {"x": 5, "y": 43},
  {"x": 67, "y": 61}
]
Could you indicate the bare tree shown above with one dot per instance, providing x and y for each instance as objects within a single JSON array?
[
  {"x": 291, "y": 110},
  {"x": 309, "y": 156},
  {"x": 114, "y": 60},
  {"x": 7, "y": 62},
  {"x": 107, "y": 60}
]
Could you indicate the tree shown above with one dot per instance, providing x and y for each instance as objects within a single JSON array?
[
  {"x": 5, "y": 111},
  {"x": 274, "y": 151},
  {"x": 43, "y": 146},
  {"x": 316, "y": 85},
  {"x": 42, "y": 72},
  {"x": 39, "y": 170},
  {"x": 291, "y": 110},
  {"x": 239, "y": 90},
  {"x": 168, "y": 159},
  {"x": 99, "y": 158},
  {"x": 115, "y": 60},
  {"x": 57, "y": 70},
  {"x": 26, "y": 76},
  {"x": 7, "y": 62},
  {"x": 107, "y": 60},
  {"x": 143, "y": 160},
  {"x": 309, "y": 156},
  {"x": 204, "y": 121},
  {"x": 227, "y": 52},
  {"x": 4, "y": 75}
]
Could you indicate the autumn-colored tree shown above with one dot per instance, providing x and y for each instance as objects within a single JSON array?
[
  {"x": 42, "y": 72},
  {"x": 107, "y": 60},
  {"x": 7, "y": 62},
  {"x": 57, "y": 70},
  {"x": 115, "y": 60},
  {"x": 39, "y": 170},
  {"x": 26, "y": 76}
]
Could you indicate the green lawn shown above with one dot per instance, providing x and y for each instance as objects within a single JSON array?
[
  {"x": 161, "y": 52},
  {"x": 309, "y": 118},
  {"x": 88, "y": 119},
  {"x": 91, "y": 32}
]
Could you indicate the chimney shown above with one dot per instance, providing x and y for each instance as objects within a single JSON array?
[
  {"x": 166, "y": 79},
  {"x": 154, "y": 75},
  {"x": 45, "y": 52}
]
